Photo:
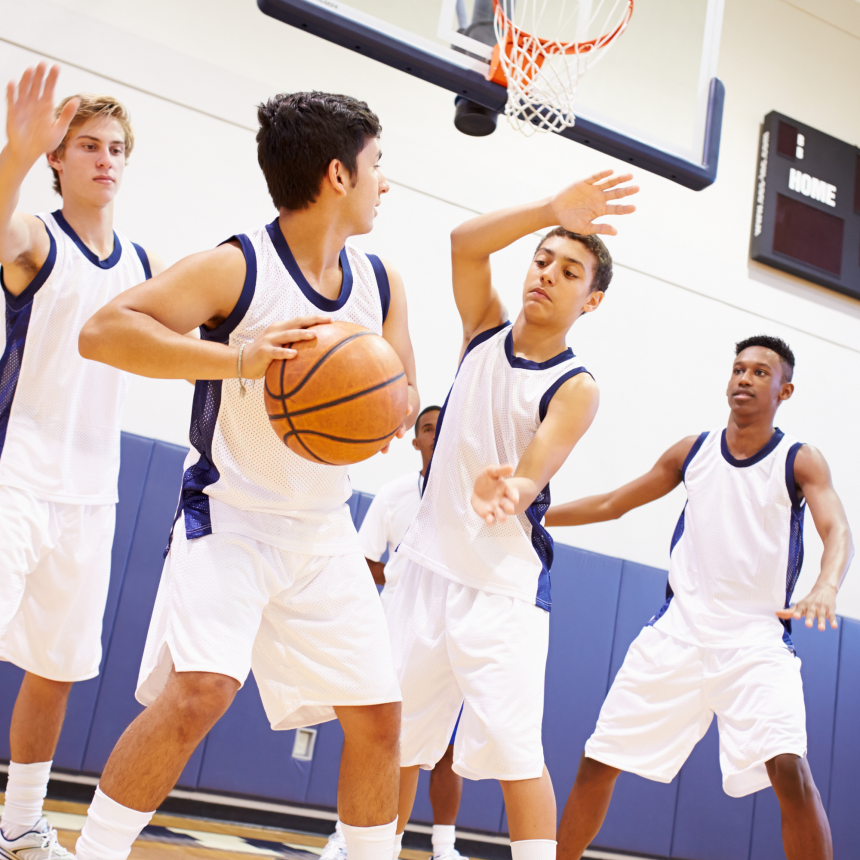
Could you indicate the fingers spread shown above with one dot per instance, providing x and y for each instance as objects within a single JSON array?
[
  {"x": 596, "y": 177},
  {"x": 604, "y": 229},
  {"x": 615, "y": 209}
]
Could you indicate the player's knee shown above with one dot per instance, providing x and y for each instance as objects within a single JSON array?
[
  {"x": 595, "y": 773},
  {"x": 792, "y": 780},
  {"x": 199, "y": 699},
  {"x": 378, "y": 725}
]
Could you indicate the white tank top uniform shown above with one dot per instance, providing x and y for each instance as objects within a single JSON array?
[
  {"x": 717, "y": 646},
  {"x": 471, "y": 609},
  {"x": 59, "y": 457},
  {"x": 264, "y": 570}
]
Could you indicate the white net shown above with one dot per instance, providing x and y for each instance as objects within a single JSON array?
[{"x": 544, "y": 48}]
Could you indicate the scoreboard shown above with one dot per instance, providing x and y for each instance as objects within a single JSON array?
[{"x": 806, "y": 218}]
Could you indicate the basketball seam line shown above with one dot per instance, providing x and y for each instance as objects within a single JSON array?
[
  {"x": 345, "y": 439},
  {"x": 338, "y": 402},
  {"x": 290, "y": 422}
]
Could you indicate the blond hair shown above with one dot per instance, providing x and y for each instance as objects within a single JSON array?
[{"x": 94, "y": 106}]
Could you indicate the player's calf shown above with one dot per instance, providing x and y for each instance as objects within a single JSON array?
[{"x": 586, "y": 807}]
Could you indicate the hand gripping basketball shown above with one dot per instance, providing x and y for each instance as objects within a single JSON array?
[
  {"x": 576, "y": 207},
  {"x": 277, "y": 342},
  {"x": 341, "y": 399}
]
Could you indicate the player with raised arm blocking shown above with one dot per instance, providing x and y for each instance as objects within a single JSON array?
[
  {"x": 721, "y": 644},
  {"x": 59, "y": 422},
  {"x": 265, "y": 569},
  {"x": 469, "y": 618}
]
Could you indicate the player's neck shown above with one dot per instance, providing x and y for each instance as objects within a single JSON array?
[
  {"x": 93, "y": 224},
  {"x": 745, "y": 438},
  {"x": 537, "y": 343},
  {"x": 316, "y": 239}
]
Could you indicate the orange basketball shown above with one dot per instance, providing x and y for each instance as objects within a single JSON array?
[{"x": 341, "y": 399}]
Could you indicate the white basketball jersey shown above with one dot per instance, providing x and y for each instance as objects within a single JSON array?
[
  {"x": 738, "y": 545},
  {"x": 59, "y": 413},
  {"x": 239, "y": 476},
  {"x": 492, "y": 412}
]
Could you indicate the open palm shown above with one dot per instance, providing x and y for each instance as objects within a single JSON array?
[
  {"x": 577, "y": 206},
  {"x": 31, "y": 127},
  {"x": 493, "y": 499}
]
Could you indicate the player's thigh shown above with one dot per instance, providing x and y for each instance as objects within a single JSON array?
[
  {"x": 656, "y": 709},
  {"x": 757, "y": 694},
  {"x": 323, "y": 642},
  {"x": 498, "y": 648}
]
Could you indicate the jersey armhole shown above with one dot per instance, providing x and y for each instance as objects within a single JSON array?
[
  {"x": 144, "y": 260},
  {"x": 222, "y": 332},
  {"x": 790, "y": 482},
  {"x": 29, "y": 292},
  {"x": 550, "y": 392},
  {"x": 692, "y": 453},
  {"x": 483, "y": 337},
  {"x": 382, "y": 284}
]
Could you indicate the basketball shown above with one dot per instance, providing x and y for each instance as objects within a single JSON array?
[{"x": 341, "y": 399}]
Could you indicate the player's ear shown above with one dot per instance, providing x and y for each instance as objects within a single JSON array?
[
  {"x": 53, "y": 160},
  {"x": 592, "y": 303},
  {"x": 337, "y": 177},
  {"x": 415, "y": 444},
  {"x": 786, "y": 391}
]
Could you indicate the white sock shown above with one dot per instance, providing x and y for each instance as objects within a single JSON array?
[
  {"x": 533, "y": 849},
  {"x": 398, "y": 845},
  {"x": 443, "y": 837},
  {"x": 368, "y": 843},
  {"x": 110, "y": 829},
  {"x": 26, "y": 788}
]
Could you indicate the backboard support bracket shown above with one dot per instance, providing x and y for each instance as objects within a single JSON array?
[{"x": 314, "y": 18}]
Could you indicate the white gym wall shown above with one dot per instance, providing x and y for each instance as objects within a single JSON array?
[{"x": 684, "y": 291}]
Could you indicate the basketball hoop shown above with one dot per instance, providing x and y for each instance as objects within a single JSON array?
[{"x": 542, "y": 74}]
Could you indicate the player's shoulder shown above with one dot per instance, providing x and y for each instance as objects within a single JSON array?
[{"x": 398, "y": 487}]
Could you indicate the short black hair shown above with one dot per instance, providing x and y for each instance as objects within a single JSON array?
[
  {"x": 603, "y": 271},
  {"x": 301, "y": 134},
  {"x": 423, "y": 412},
  {"x": 775, "y": 344}
]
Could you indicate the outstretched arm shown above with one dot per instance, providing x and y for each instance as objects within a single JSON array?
[
  {"x": 575, "y": 208},
  {"x": 812, "y": 476},
  {"x": 571, "y": 411},
  {"x": 660, "y": 480},
  {"x": 31, "y": 131}
]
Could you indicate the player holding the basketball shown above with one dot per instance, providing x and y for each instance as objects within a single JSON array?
[
  {"x": 59, "y": 422},
  {"x": 469, "y": 618},
  {"x": 717, "y": 646},
  {"x": 264, "y": 569}
]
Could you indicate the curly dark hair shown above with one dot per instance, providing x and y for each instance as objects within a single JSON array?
[
  {"x": 603, "y": 271},
  {"x": 301, "y": 134},
  {"x": 775, "y": 344}
]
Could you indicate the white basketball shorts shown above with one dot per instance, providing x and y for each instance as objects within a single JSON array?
[
  {"x": 54, "y": 578},
  {"x": 666, "y": 694},
  {"x": 454, "y": 645},
  {"x": 311, "y": 627}
]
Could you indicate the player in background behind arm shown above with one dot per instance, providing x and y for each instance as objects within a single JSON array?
[
  {"x": 471, "y": 609},
  {"x": 59, "y": 420},
  {"x": 748, "y": 487}
]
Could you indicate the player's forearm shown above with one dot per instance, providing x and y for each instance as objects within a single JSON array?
[
  {"x": 415, "y": 404},
  {"x": 479, "y": 237},
  {"x": 592, "y": 509},
  {"x": 13, "y": 231},
  {"x": 837, "y": 556},
  {"x": 135, "y": 342}
]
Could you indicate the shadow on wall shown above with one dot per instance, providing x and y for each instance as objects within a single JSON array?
[{"x": 600, "y": 604}]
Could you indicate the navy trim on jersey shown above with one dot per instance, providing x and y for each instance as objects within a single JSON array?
[
  {"x": 662, "y": 611},
  {"x": 381, "y": 283},
  {"x": 144, "y": 260},
  {"x": 689, "y": 459},
  {"x": 679, "y": 530},
  {"x": 543, "y": 545},
  {"x": 18, "y": 311},
  {"x": 107, "y": 263},
  {"x": 795, "y": 539},
  {"x": 289, "y": 261},
  {"x": 790, "y": 483},
  {"x": 528, "y": 364},
  {"x": 221, "y": 333},
  {"x": 550, "y": 392},
  {"x": 757, "y": 457},
  {"x": 483, "y": 337}
]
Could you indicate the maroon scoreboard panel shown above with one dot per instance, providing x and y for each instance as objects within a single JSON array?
[{"x": 806, "y": 217}]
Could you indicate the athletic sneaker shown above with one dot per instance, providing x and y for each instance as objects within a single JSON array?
[
  {"x": 449, "y": 854},
  {"x": 40, "y": 843},
  {"x": 335, "y": 848}
]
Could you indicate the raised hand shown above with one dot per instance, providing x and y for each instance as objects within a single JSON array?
[
  {"x": 272, "y": 344},
  {"x": 820, "y": 603},
  {"x": 577, "y": 206},
  {"x": 31, "y": 127},
  {"x": 493, "y": 499}
]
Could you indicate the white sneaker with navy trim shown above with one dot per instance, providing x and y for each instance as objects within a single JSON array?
[
  {"x": 335, "y": 848},
  {"x": 40, "y": 843},
  {"x": 449, "y": 854}
]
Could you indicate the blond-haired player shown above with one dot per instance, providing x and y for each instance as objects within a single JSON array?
[{"x": 59, "y": 422}]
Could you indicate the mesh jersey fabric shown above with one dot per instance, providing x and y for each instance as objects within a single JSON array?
[
  {"x": 738, "y": 546},
  {"x": 60, "y": 413},
  {"x": 239, "y": 476},
  {"x": 493, "y": 410}
]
